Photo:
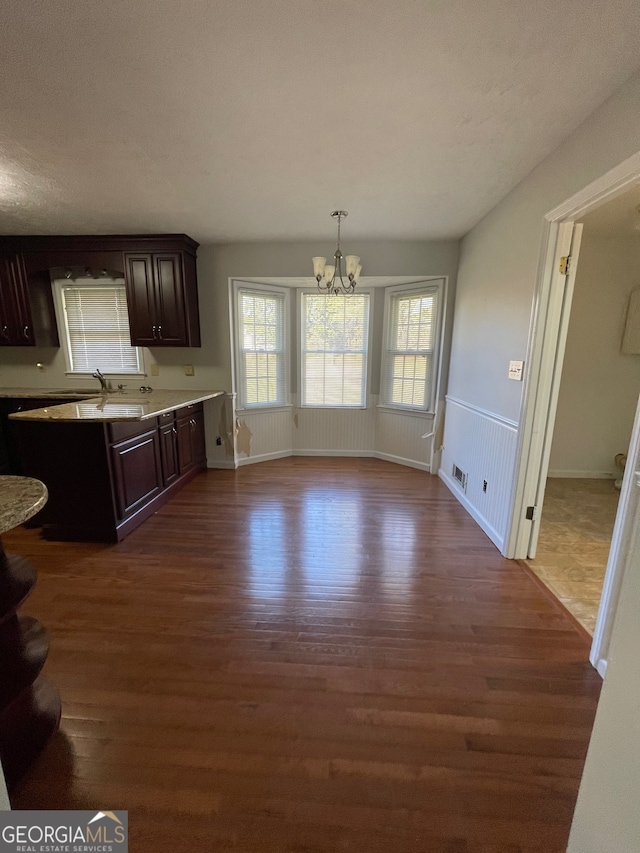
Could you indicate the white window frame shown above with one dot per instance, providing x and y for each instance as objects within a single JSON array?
[
  {"x": 238, "y": 287},
  {"x": 438, "y": 286},
  {"x": 299, "y": 329},
  {"x": 63, "y": 329}
]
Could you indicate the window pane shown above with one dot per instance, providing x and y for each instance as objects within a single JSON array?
[
  {"x": 408, "y": 376},
  {"x": 335, "y": 332},
  {"x": 97, "y": 329},
  {"x": 262, "y": 356}
]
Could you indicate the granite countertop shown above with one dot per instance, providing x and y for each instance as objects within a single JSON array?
[
  {"x": 117, "y": 406},
  {"x": 52, "y": 393},
  {"x": 20, "y": 499}
]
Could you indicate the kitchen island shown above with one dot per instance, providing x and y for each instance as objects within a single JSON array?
[{"x": 111, "y": 460}]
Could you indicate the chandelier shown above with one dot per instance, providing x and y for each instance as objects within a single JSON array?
[{"x": 330, "y": 277}]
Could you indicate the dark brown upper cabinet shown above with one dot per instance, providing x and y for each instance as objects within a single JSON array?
[
  {"x": 159, "y": 272},
  {"x": 27, "y": 317},
  {"x": 162, "y": 298}
]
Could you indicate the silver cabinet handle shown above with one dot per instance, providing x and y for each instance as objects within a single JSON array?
[
  {"x": 5, "y": 332},
  {"x": 160, "y": 332},
  {"x": 25, "y": 331},
  {"x": 153, "y": 332},
  {"x": 174, "y": 430}
]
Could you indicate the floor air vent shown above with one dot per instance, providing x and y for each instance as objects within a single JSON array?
[{"x": 460, "y": 477}]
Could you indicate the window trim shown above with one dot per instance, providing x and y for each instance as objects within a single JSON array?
[
  {"x": 57, "y": 286},
  {"x": 299, "y": 325},
  {"x": 427, "y": 285},
  {"x": 237, "y": 287}
]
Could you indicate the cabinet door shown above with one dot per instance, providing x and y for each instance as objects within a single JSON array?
[
  {"x": 15, "y": 311},
  {"x": 141, "y": 301},
  {"x": 137, "y": 472},
  {"x": 25, "y": 330},
  {"x": 169, "y": 453},
  {"x": 185, "y": 444},
  {"x": 8, "y": 317},
  {"x": 197, "y": 438},
  {"x": 170, "y": 300}
]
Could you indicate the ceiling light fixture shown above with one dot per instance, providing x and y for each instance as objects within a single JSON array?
[{"x": 330, "y": 278}]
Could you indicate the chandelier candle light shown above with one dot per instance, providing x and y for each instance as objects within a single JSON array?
[{"x": 330, "y": 278}]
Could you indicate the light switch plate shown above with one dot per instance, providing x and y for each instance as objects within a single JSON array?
[
  {"x": 188, "y": 369},
  {"x": 155, "y": 370},
  {"x": 515, "y": 370}
]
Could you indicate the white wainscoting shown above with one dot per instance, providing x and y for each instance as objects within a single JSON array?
[
  {"x": 341, "y": 431},
  {"x": 483, "y": 445},
  {"x": 218, "y": 422},
  {"x": 261, "y": 436},
  {"x": 399, "y": 438}
]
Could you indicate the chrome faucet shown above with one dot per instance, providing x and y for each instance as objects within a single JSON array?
[{"x": 104, "y": 386}]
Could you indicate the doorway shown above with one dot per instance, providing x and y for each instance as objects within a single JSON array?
[
  {"x": 543, "y": 370},
  {"x": 597, "y": 397}
]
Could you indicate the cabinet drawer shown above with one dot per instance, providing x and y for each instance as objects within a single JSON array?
[
  {"x": 167, "y": 418},
  {"x": 127, "y": 429},
  {"x": 188, "y": 411}
]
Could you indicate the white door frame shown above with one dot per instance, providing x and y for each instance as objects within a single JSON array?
[{"x": 542, "y": 369}]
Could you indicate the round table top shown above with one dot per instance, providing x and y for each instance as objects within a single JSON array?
[{"x": 20, "y": 499}]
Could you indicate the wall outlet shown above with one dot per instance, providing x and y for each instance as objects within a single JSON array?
[
  {"x": 515, "y": 370},
  {"x": 155, "y": 370},
  {"x": 188, "y": 370}
]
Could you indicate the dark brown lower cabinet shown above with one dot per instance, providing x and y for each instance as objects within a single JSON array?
[
  {"x": 169, "y": 452},
  {"x": 106, "y": 479},
  {"x": 137, "y": 472}
]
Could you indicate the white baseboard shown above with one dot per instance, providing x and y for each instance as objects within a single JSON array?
[
  {"x": 584, "y": 475},
  {"x": 601, "y": 667},
  {"x": 262, "y": 457},
  {"x": 356, "y": 453},
  {"x": 401, "y": 460},
  {"x": 221, "y": 463},
  {"x": 359, "y": 454},
  {"x": 493, "y": 534}
]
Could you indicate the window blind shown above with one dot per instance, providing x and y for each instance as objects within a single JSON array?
[
  {"x": 97, "y": 326},
  {"x": 409, "y": 360},
  {"x": 262, "y": 348},
  {"x": 335, "y": 335}
]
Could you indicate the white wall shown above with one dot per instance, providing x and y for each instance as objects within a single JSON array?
[
  {"x": 264, "y": 435},
  {"x": 212, "y": 362},
  {"x": 498, "y": 271},
  {"x": 600, "y": 386}
]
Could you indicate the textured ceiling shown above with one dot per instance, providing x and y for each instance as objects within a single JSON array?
[{"x": 247, "y": 120}]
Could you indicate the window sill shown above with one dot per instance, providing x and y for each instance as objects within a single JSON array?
[
  {"x": 256, "y": 410},
  {"x": 399, "y": 410},
  {"x": 335, "y": 408},
  {"x": 136, "y": 375}
]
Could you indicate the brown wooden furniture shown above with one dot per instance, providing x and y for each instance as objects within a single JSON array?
[
  {"x": 106, "y": 479},
  {"x": 29, "y": 705},
  {"x": 27, "y": 316},
  {"x": 160, "y": 278}
]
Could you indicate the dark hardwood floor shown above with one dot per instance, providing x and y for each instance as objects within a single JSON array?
[{"x": 311, "y": 655}]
